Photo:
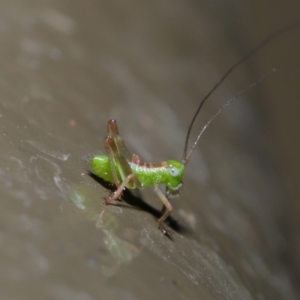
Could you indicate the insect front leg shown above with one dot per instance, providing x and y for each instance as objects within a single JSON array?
[{"x": 167, "y": 212}]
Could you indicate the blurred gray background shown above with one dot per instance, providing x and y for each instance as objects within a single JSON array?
[{"x": 67, "y": 67}]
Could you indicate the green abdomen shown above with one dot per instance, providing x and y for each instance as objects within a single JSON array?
[{"x": 101, "y": 167}]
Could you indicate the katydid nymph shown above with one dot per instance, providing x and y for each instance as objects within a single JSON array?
[{"x": 128, "y": 171}]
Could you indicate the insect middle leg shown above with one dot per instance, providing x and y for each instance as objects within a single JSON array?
[{"x": 119, "y": 191}]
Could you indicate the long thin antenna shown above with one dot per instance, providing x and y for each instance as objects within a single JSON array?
[
  {"x": 223, "y": 107},
  {"x": 267, "y": 40}
]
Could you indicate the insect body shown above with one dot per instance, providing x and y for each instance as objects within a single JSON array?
[
  {"x": 127, "y": 171},
  {"x": 169, "y": 173}
]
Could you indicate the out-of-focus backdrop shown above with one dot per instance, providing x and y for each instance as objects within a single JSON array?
[
  {"x": 281, "y": 107},
  {"x": 67, "y": 67}
]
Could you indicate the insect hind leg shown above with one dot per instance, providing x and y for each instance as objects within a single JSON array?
[
  {"x": 112, "y": 130},
  {"x": 118, "y": 155},
  {"x": 111, "y": 150}
]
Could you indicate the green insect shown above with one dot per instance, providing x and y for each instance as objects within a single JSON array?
[{"x": 128, "y": 171}]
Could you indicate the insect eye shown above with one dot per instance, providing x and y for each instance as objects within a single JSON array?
[{"x": 173, "y": 172}]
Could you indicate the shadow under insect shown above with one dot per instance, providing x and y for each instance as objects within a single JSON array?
[{"x": 138, "y": 203}]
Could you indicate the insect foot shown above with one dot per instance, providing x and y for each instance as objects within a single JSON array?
[
  {"x": 163, "y": 230},
  {"x": 111, "y": 199},
  {"x": 106, "y": 201}
]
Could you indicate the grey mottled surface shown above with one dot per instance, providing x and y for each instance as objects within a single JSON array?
[{"x": 67, "y": 67}]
